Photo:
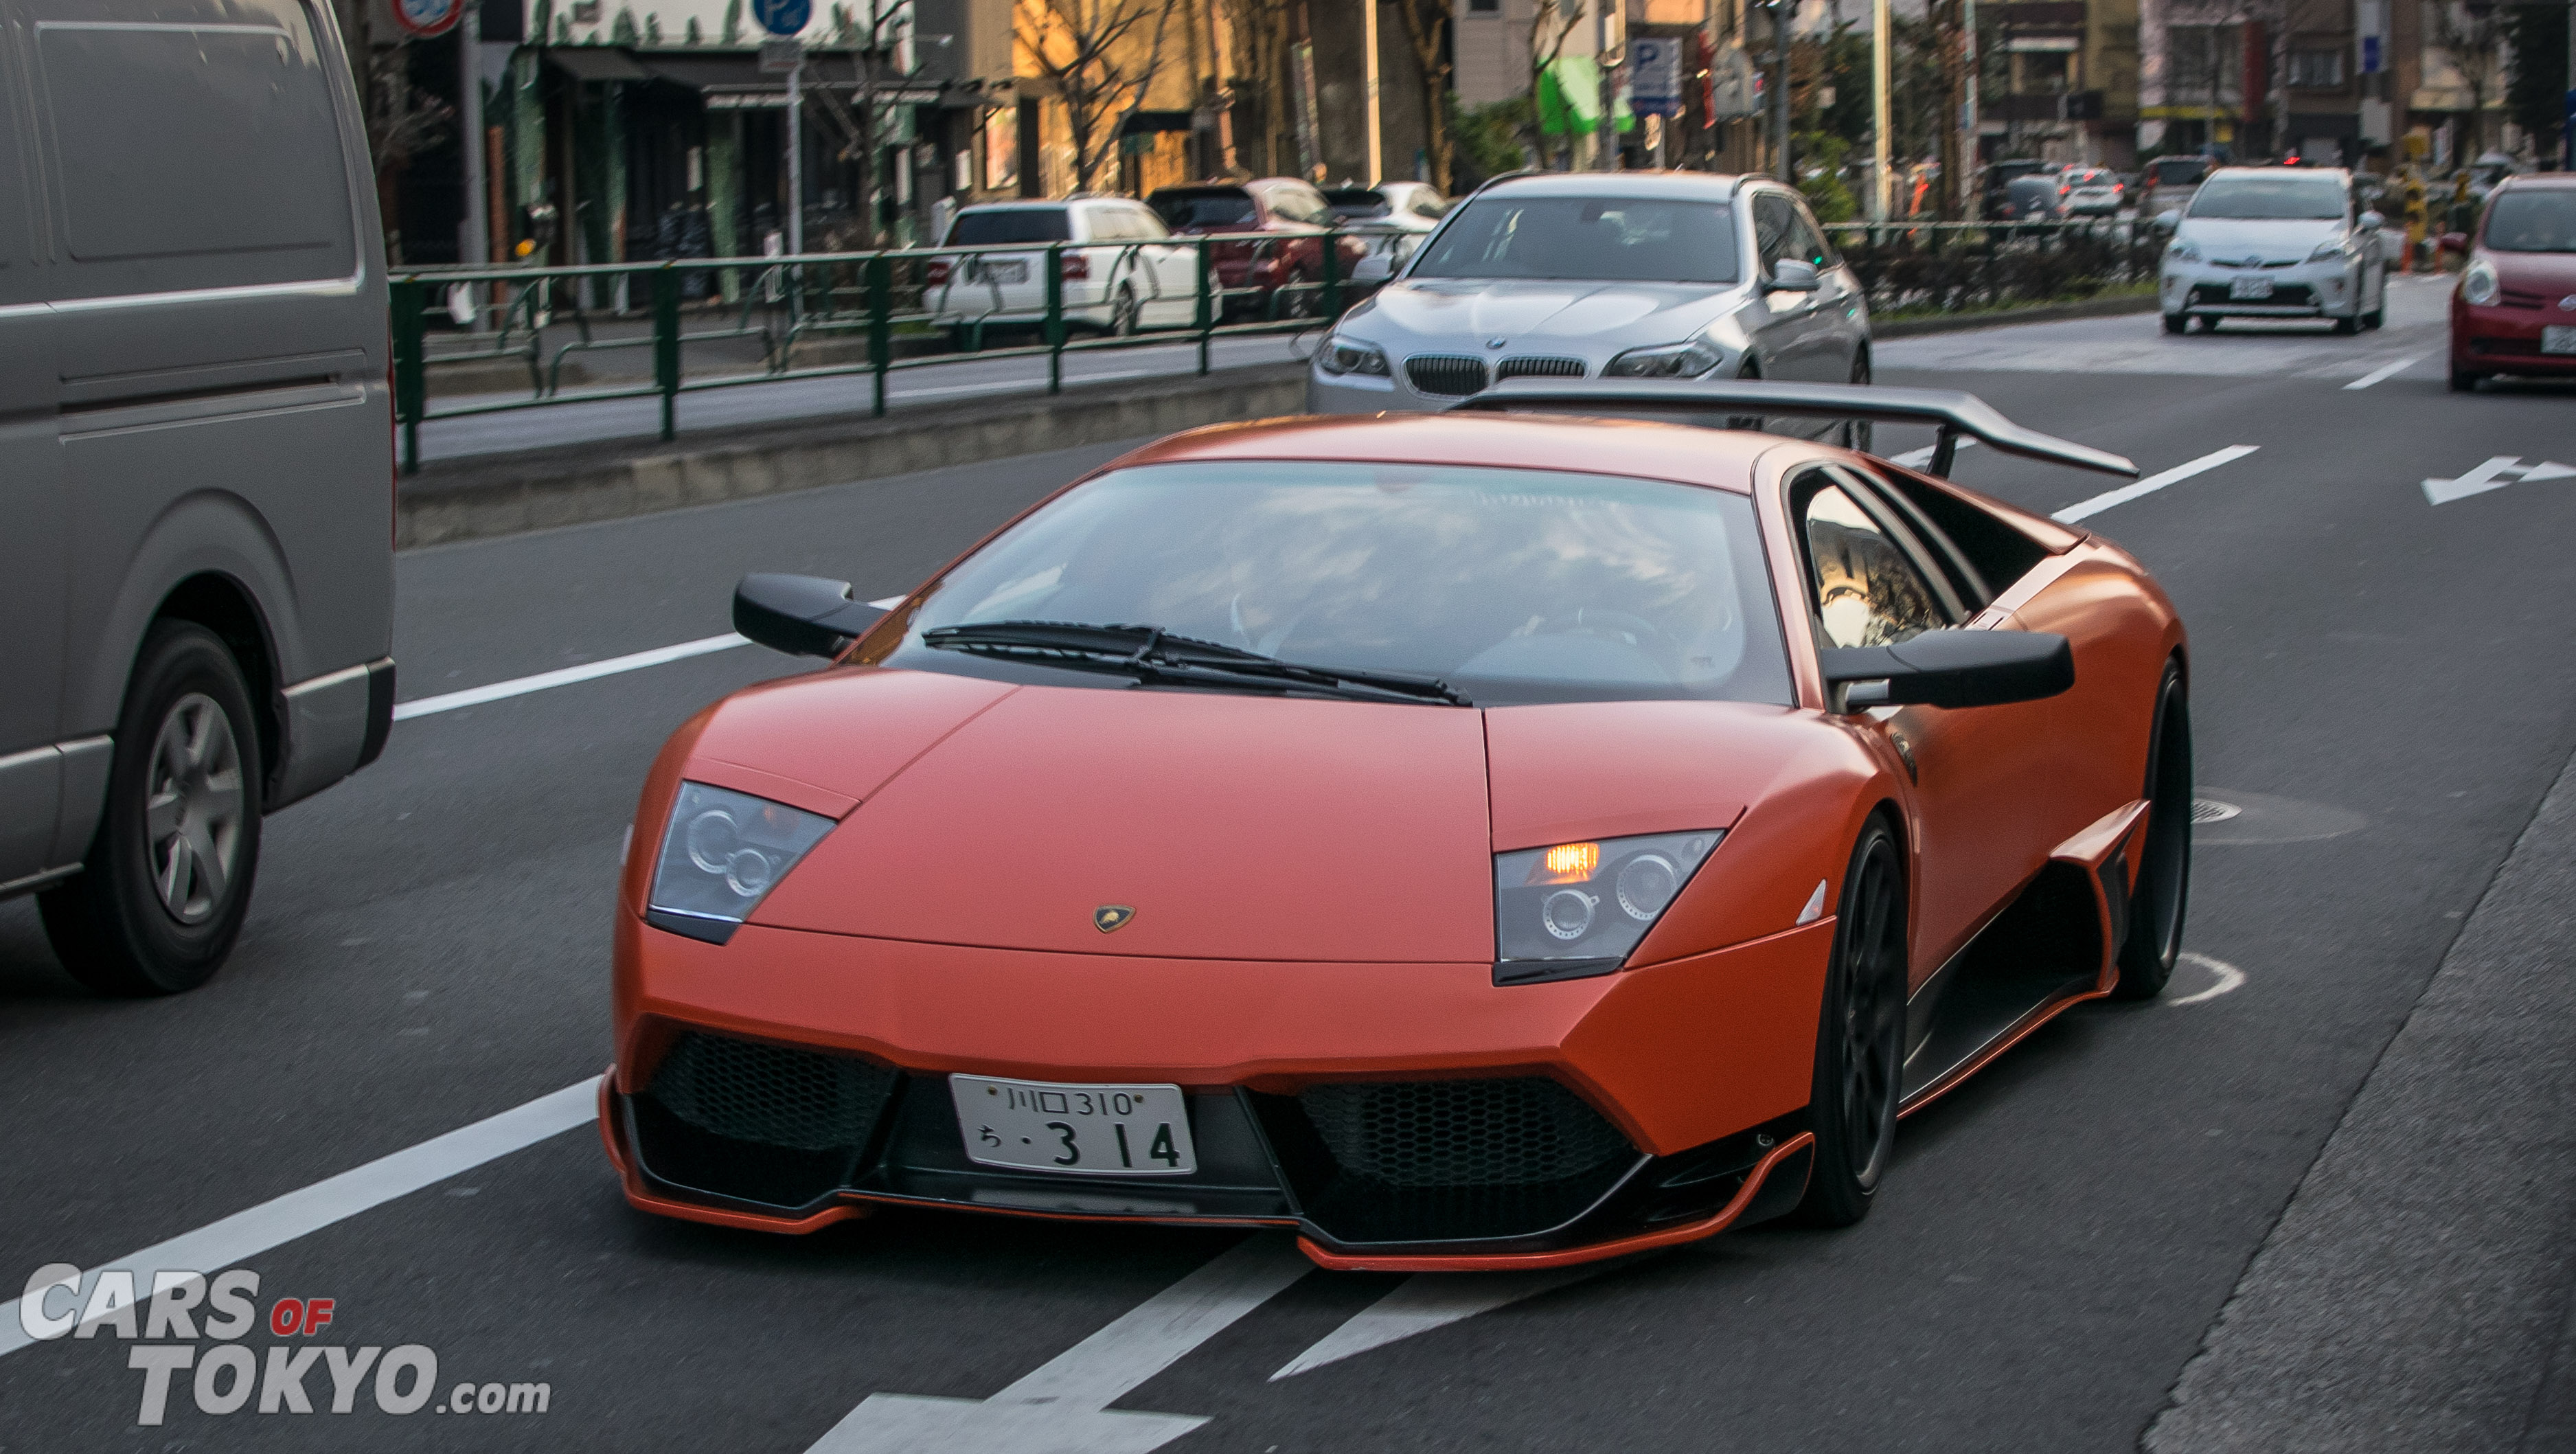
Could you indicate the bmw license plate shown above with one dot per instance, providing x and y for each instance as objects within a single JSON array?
[
  {"x": 1000, "y": 272},
  {"x": 2249, "y": 288},
  {"x": 2558, "y": 338},
  {"x": 1083, "y": 1130}
]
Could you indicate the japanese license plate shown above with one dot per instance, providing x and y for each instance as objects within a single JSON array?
[
  {"x": 1083, "y": 1130},
  {"x": 2558, "y": 338},
  {"x": 2249, "y": 288},
  {"x": 1001, "y": 272}
]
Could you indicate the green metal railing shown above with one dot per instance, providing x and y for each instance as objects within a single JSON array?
[
  {"x": 1942, "y": 267},
  {"x": 906, "y": 308}
]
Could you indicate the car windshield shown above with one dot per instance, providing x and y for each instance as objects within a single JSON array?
[
  {"x": 1608, "y": 239},
  {"x": 1204, "y": 207},
  {"x": 2270, "y": 199},
  {"x": 1510, "y": 585},
  {"x": 2534, "y": 221},
  {"x": 1010, "y": 224}
]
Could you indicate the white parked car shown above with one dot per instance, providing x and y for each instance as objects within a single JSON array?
[
  {"x": 1120, "y": 267},
  {"x": 2275, "y": 242},
  {"x": 1393, "y": 217}
]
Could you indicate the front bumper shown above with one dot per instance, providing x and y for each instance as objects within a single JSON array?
[
  {"x": 2500, "y": 338},
  {"x": 1404, "y": 1117},
  {"x": 2305, "y": 290}
]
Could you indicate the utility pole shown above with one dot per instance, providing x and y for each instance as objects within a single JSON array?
[
  {"x": 796, "y": 159},
  {"x": 1606, "y": 130},
  {"x": 1782, "y": 12},
  {"x": 1376, "y": 136},
  {"x": 1968, "y": 120},
  {"x": 474, "y": 234},
  {"x": 1882, "y": 199}
]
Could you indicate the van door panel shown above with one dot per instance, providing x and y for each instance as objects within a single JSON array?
[{"x": 33, "y": 570}]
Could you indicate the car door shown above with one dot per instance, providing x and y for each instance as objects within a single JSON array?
[
  {"x": 1781, "y": 324},
  {"x": 1837, "y": 334},
  {"x": 1877, "y": 574}
]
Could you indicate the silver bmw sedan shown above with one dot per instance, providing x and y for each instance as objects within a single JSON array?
[{"x": 1646, "y": 275}]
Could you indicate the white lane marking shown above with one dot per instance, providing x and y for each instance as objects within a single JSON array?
[
  {"x": 2384, "y": 371},
  {"x": 1063, "y": 1407},
  {"x": 1426, "y": 1301},
  {"x": 2152, "y": 483},
  {"x": 1915, "y": 459},
  {"x": 2230, "y": 979},
  {"x": 2495, "y": 474},
  {"x": 246, "y": 1234},
  {"x": 566, "y": 676}
]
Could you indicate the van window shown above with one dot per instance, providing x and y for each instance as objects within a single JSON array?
[{"x": 194, "y": 153}]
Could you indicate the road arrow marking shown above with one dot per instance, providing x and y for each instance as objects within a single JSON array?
[
  {"x": 1425, "y": 1301},
  {"x": 1063, "y": 1407},
  {"x": 2495, "y": 474}
]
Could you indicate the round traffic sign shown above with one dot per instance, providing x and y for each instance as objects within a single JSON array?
[
  {"x": 782, "y": 17},
  {"x": 428, "y": 17}
]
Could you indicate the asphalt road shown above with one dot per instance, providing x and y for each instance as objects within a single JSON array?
[{"x": 2381, "y": 685}]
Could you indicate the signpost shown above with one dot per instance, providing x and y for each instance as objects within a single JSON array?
[
  {"x": 427, "y": 18},
  {"x": 1655, "y": 76},
  {"x": 786, "y": 19}
]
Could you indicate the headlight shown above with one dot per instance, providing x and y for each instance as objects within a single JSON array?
[
  {"x": 2327, "y": 252},
  {"x": 1674, "y": 361},
  {"x": 2479, "y": 284},
  {"x": 722, "y": 853},
  {"x": 1343, "y": 357},
  {"x": 1578, "y": 909},
  {"x": 2182, "y": 252}
]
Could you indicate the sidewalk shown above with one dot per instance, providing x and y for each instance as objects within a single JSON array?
[{"x": 2415, "y": 1295}]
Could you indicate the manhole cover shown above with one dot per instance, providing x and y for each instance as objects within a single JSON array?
[{"x": 2210, "y": 810}]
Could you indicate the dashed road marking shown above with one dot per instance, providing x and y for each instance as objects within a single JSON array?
[
  {"x": 2384, "y": 371},
  {"x": 566, "y": 676},
  {"x": 2230, "y": 979},
  {"x": 2084, "y": 509}
]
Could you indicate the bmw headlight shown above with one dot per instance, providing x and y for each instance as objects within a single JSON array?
[
  {"x": 1342, "y": 356},
  {"x": 2182, "y": 252},
  {"x": 722, "y": 853},
  {"x": 2479, "y": 284},
  {"x": 1577, "y": 909},
  {"x": 1675, "y": 361}
]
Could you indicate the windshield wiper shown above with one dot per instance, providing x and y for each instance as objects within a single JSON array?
[{"x": 1152, "y": 654}]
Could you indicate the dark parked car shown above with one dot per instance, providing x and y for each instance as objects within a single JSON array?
[
  {"x": 2001, "y": 175},
  {"x": 2030, "y": 199},
  {"x": 1294, "y": 261}
]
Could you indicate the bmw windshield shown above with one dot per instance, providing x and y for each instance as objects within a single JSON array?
[
  {"x": 1506, "y": 585},
  {"x": 1592, "y": 239}
]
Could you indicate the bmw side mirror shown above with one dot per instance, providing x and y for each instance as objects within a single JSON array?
[
  {"x": 800, "y": 615},
  {"x": 1792, "y": 276},
  {"x": 2169, "y": 219},
  {"x": 1950, "y": 669},
  {"x": 2372, "y": 222}
]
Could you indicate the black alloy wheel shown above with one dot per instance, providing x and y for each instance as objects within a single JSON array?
[
  {"x": 166, "y": 881},
  {"x": 1860, "y": 1037},
  {"x": 2156, "y": 908}
]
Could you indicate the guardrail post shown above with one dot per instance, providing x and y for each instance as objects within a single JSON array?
[
  {"x": 1207, "y": 304},
  {"x": 880, "y": 275},
  {"x": 1332, "y": 274},
  {"x": 1055, "y": 317},
  {"x": 666, "y": 345},
  {"x": 409, "y": 297}
]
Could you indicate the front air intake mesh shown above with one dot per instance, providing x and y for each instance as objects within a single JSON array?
[
  {"x": 1439, "y": 1161},
  {"x": 758, "y": 1123},
  {"x": 1540, "y": 368},
  {"x": 1441, "y": 374}
]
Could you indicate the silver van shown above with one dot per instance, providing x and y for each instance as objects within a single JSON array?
[{"x": 196, "y": 464}]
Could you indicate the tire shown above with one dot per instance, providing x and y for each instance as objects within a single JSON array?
[
  {"x": 2177, "y": 323},
  {"x": 1860, "y": 1037},
  {"x": 2158, "y": 906},
  {"x": 146, "y": 916},
  {"x": 1858, "y": 433},
  {"x": 2465, "y": 381},
  {"x": 1125, "y": 313},
  {"x": 2347, "y": 327},
  {"x": 2204, "y": 322},
  {"x": 1297, "y": 299}
]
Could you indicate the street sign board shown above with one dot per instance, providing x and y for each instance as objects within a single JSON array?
[
  {"x": 1655, "y": 76},
  {"x": 428, "y": 17},
  {"x": 782, "y": 17},
  {"x": 780, "y": 55},
  {"x": 1734, "y": 87}
]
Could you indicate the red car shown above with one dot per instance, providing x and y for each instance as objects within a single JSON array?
[
  {"x": 2514, "y": 311},
  {"x": 1294, "y": 211},
  {"x": 1488, "y": 839}
]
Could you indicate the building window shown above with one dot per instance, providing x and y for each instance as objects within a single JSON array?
[
  {"x": 2316, "y": 69},
  {"x": 1484, "y": 7}
]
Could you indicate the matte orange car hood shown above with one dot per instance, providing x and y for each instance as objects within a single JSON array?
[{"x": 1236, "y": 827}]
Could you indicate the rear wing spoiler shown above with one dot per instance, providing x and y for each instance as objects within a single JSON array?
[{"x": 1718, "y": 403}]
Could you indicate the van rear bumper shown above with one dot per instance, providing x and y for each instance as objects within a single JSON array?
[{"x": 335, "y": 724}]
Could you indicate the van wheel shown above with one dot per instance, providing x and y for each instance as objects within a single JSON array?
[
  {"x": 167, "y": 879},
  {"x": 2177, "y": 322}
]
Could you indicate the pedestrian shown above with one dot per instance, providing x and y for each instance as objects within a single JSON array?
[{"x": 2415, "y": 218}]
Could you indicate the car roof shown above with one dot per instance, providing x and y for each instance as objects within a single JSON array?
[
  {"x": 1645, "y": 449},
  {"x": 2535, "y": 181},
  {"x": 1685, "y": 186}
]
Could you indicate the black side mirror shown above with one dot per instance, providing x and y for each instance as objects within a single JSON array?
[
  {"x": 1951, "y": 669},
  {"x": 800, "y": 615}
]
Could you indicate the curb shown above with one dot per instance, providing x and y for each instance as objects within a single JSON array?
[
  {"x": 574, "y": 484},
  {"x": 2052, "y": 313}
]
